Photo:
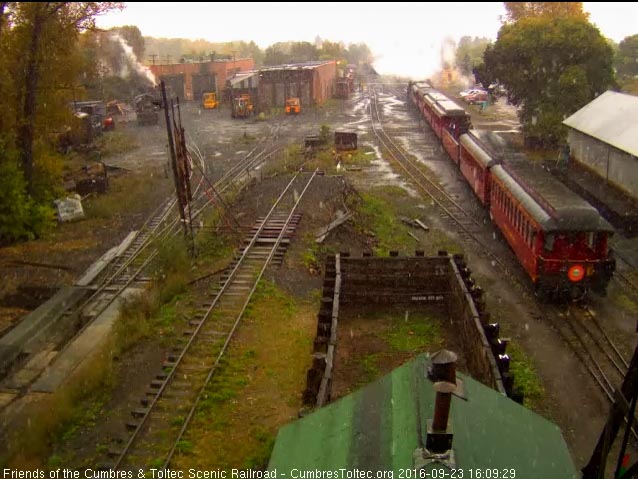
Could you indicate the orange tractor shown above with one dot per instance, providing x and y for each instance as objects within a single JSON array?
[{"x": 293, "y": 105}]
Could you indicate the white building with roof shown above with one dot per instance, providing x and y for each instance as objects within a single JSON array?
[{"x": 603, "y": 137}]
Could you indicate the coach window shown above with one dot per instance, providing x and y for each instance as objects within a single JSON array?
[
  {"x": 519, "y": 221},
  {"x": 590, "y": 240},
  {"x": 549, "y": 242},
  {"x": 530, "y": 235}
]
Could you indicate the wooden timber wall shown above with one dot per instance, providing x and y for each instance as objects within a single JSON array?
[{"x": 441, "y": 281}]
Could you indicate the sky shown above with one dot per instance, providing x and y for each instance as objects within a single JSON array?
[{"x": 406, "y": 38}]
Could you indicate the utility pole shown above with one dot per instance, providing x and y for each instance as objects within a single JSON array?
[
  {"x": 153, "y": 55},
  {"x": 181, "y": 169}
]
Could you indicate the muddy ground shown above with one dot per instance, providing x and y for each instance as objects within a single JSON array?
[{"x": 570, "y": 398}]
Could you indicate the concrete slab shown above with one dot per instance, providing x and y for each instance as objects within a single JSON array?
[
  {"x": 36, "y": 325},
  {"x": 97, "y": 267},
  {"x": 82, "y": 346},
  {"x": 31, "y": 370}
]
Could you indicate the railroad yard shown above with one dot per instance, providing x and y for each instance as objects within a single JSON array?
[{"x": 165, "y": 359}]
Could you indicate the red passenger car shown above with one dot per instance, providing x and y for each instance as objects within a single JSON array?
[
  {"x": 475, "y": 164},
  {"x": 451, "y": 122},
  {"x": 559, "y": 238}
]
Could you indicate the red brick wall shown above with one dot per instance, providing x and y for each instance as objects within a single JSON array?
[
  {"x": 221, "y": 69},
  {"x": 323, "y": 82}
]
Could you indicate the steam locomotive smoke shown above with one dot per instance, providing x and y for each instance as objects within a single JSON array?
[
  {"x": 132, "y": 60},
  {"x": 448, "y": 52}
]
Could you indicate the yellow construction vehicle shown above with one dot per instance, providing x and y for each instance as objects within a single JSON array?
[
  {"x": 293, "y": 105},
  {"x": 209, "y": 100}
]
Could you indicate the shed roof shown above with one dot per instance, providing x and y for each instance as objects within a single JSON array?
[
  {"x": 298, "y": 66},
  {"x": 610, "y": 118},
  {"x": 237, "y": 80},
  {"x": 380, "y": 426}
]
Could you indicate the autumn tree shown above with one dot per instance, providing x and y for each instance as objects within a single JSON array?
[
  {"x": 469, "y": 53},
  {"x": 359, "y": 53},
  {"x": 331, "y": 51},
  {"x": 39, "y": 46},
  {"x": 251, "y": 50},
  {"x": 626, "y": 61},
  {"x": 516, "y": 11},
  {"x": 277, "y": 54},
  {"x": 551, "y": 67}
]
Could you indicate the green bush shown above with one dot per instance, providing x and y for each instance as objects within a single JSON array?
[
  {"x": 324, "y": 133},
  {"x": 21, "y": 218}
]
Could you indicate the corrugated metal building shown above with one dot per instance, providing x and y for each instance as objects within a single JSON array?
[
  {"x": 313, "y": 83},
  {"x": 190, "y": 80},
  {"x": 385, "y": 426},
  {"x": 244, "y": 82},
  {"x": 603, "y": 137}
]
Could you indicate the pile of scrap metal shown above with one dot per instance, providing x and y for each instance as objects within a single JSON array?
[
  {"x": 97, "y": 111},
  {"x": 91, "y": 178},
  {"x": 146, "y": 109}
]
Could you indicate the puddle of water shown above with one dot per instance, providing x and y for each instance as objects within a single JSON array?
[{"x": 380, "y": 173}]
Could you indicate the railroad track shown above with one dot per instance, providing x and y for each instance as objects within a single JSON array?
[
  {"x": 177, "y": 390},
  {"x": 577, "y": 326},
  {"x": 620, "y": 275},
  {"x": 582, "y": 332},
  {"x": 129, "y": 266},
  {"x": 462, "y": 220},
  {"x": 166, "y": 222}
]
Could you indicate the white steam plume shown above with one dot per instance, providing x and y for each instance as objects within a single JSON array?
[
  {"x": 131, "y": 59},
  {"x": 448, "y": 53}
]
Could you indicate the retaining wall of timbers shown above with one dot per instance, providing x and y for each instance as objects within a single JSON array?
[{"x": 442, "y": 282}]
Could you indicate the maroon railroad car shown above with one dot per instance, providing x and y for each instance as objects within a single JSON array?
[
  {"x": 431, "y": 98},
  {"x": 559, "y": 238},
  {"x": 475, "y": 164},
  {"x": 451, "y": 122}
]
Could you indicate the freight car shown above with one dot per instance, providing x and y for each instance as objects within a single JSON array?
[{"x": 560, "y": 240}]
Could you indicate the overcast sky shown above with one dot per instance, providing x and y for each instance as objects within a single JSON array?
[{"x": 405, "y": 37}]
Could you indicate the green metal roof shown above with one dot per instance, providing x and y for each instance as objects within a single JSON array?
[{"x": 379, "y": 427}]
